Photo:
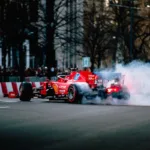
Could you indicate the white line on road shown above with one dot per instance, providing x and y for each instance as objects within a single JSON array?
[
  {"x": 4, "y": 107},
  {"x": 9, "y": 101}
]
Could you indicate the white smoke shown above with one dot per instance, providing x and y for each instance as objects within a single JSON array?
[{"x": 137, "y": 79}]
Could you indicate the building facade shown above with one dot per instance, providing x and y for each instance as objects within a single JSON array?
[{"x": 67, "y": 35}]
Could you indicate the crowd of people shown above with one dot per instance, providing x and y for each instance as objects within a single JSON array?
[
  {"x": 39, "y": 71},
  {"x": 42, "y": 72}
]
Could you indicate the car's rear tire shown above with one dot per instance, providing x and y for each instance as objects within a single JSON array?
[
  {"x": 74, "y": 94},
  {"x": 25, "y": 91},
  {"x": 102, "y": 94},
  {"x": 125, "y": 93},
  {"x": 125, "y": 96}
]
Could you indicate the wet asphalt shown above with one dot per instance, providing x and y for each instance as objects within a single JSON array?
[{"x": 44, "y": 125}]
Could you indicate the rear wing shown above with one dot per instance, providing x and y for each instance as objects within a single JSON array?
[{"x": 105, "y": 77}]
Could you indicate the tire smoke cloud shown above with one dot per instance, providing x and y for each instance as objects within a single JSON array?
[{"x": 136, "y": 79}]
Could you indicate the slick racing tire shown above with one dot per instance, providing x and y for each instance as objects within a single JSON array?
[
  {"x": 124, "y": 96},
  {"x": 74, "y": 95},
  {"x": 102, "y": 94},
  {"x": 25, "y": 91}
]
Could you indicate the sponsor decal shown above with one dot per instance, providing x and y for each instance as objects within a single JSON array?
[
  {"x": 62, "y": 86},
  {"x": 91, "y": 77},
  {"x": 77, "y": 76},
  {"x": 62, "y": 91}
]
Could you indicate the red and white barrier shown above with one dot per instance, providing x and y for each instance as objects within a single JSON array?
[{"x": 6, "y": 87}]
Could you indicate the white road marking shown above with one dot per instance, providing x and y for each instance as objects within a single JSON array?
[
  {"x": 9, "y": 101},
  {"x": 4, "y": 107}
]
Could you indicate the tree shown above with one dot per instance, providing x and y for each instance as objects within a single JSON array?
[
  {"x": 98, "y": 33},
  {"x": 16, "y": 26},
  {"x": 50, "y": 30},
  {"x": 58, "y": 26},
  {"x": 132, "y": 29},
  {"x": 2, "y": 30},
  {"x": 142, "y": 34}
]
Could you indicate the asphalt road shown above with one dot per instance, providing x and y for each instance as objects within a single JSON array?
[{"x": 40, "y": 124}]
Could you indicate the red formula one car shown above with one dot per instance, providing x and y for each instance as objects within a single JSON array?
[
  {"x": 68, "y": 87},
  {"x": 78, "y": 84}
]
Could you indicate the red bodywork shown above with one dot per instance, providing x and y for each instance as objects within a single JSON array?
[{"x": 62, "y": 84}]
